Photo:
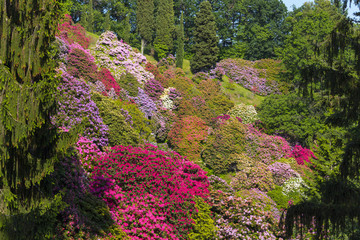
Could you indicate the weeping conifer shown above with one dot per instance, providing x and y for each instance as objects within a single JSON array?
[{"x": 27, "y": 86}]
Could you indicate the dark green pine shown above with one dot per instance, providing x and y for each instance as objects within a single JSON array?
[
  {"x": 145, "y": 21},
  {"x": 180, "y": 44},
  {"x": 164, "y": 28}
]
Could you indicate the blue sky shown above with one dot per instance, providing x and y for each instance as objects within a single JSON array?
[{"x": 298, "y": 3}]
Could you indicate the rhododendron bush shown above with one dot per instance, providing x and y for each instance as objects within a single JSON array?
[
  {"x": 120, "y": 58},
  {"x": 73, "y": 33},
  {"x": 149, "y": 192},
  {"x": 244, "y": 73},
  {"x": 77, "y": 109},
  {"x": 187, "y": 136}
]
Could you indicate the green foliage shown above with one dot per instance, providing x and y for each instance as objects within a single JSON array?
[
  {"x": 221, "y": 146},
  {"x": 310, "y": 26},
  {"x": 282, "y": 200},
  {"x": 128, "y": 82},
  {"x": 120, "y": 133},
  {"x": 204, "y": 227},
  {"x": 206, "y": 42},
  {"x": 140, "y": 123},
  {"x": 296, "y": 118},
  {"x": 164, "y": 28},
  {"x": 145, "y": 21},
  {"x": 262, "y": 28}
]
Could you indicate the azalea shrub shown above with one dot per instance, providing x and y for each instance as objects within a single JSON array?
[
  {"x": 302, "y": 155},
  {"x": 256, "y": 176},
  {"x": 150, "y": 192},
  {"x": 157, "y": 75},
  {"x": 129, "y": 83},
  {"x": 154, "y": 89},
  {"x": 109, "y": 82},
  {"x": 265, "y": 148},
  {"x": 145, "y": 103},
  {"x": 242, "y": 218},
  {"x": 81, "y": 64},
  {"x": 73, "y": 32},
  {"x": 187, "y": 136},
  {"x": 222, "y": 144},
  {"x": 282, "y": 172}
]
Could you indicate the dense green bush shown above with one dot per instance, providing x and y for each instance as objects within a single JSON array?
[
  {"x": 128, "y": 82},
  {"x": 297, "y": 119},
  {"x": 120, "y": 132},
  {"x": 204, "y": 227},
  {"x": 226, "y": 140}
]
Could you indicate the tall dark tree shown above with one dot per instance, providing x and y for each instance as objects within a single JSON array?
[
  {"x": 180, "y": 44},
  {"x": 145, "y": 21},
  {"x": 164, "y": 28},
  {"x": 205, "y": 39},
  {"x": 27, "y": 86},
  {"x": 90, "y": 20}
]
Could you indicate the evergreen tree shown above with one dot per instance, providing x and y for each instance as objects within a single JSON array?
[
  {"x": 107, "y": 22},
  {"x": 180, "y": 44},
  {"x": 145, "y": 21},
  {"x": 164, "y": 28},
  {"x": 90, "y": 20},
  {"x": 27, "y": 138},
  {"x": 206, "y": 42}
]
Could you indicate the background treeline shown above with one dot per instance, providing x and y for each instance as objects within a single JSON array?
[{"x": 247, "y": 29}]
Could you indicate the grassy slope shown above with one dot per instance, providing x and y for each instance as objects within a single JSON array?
[
  {"x": 93, "y": 38},
  {"x": 239, "y": 94}
]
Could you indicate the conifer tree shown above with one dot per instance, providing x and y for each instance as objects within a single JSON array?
[
  {"x": 27, "y": 86},
  {"x": 145, "y": 21},
  {"x": 90, "y": 20},
  {"x": 164, "y": 28},
  {"x": 206, "y": 42},
  {"x": 180, "y": 44}
]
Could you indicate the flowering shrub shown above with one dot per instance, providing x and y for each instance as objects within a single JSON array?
[
  {"x": 282, "y": 172},
  {"x": 181, "y": 83},
  {"x": 73, "y": 33},
  {"x": 187, "y": 136},
  {"x": 81, "y": 64},
  {"x": 63, "y": 48},
  {"x": 88, "y": 153},
  {"x": 166, "y": 63},
  {"x": 129, "y": 83},
  {"x": 247, "y": 113},
  {"x": 145, "y": 103},
  {"x": 109, "y": 82},
  {"x": 150, "y": 192},
  {"x": 198, "y": 77},
  {"x": 227, "y": 140},
  {"x": 246, "y": 75},
  {"x": 120, "y": 58},
  {"x": 302, "y": 155},
  {"x": 217, "y": 183},
  {"x": 154, "y": 89},
  {"x": 293, "y": 185},
  {"x": 158, "y": 76},
  {"x": 166, "y": 100},
  {"x": 241, "y": 218},
  {"x": 77, "y": 109},
  {"x": 265, "y": 148},
  {"x": 256, "y": 176}
]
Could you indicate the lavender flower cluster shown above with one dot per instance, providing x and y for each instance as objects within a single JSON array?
[
  {"x": 76, "y": 108},
  {"x": 119, "y": 58},
  {"x": 145, "y": 103},
  {"x": 247, "y": 76}
]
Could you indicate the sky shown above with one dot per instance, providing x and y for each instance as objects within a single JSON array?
[{"x": 298, "y": 3}]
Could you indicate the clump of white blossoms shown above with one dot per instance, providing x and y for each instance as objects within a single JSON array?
[
  {"x": 165, "y": 98},
  {"x": 247, "y": 113}
]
